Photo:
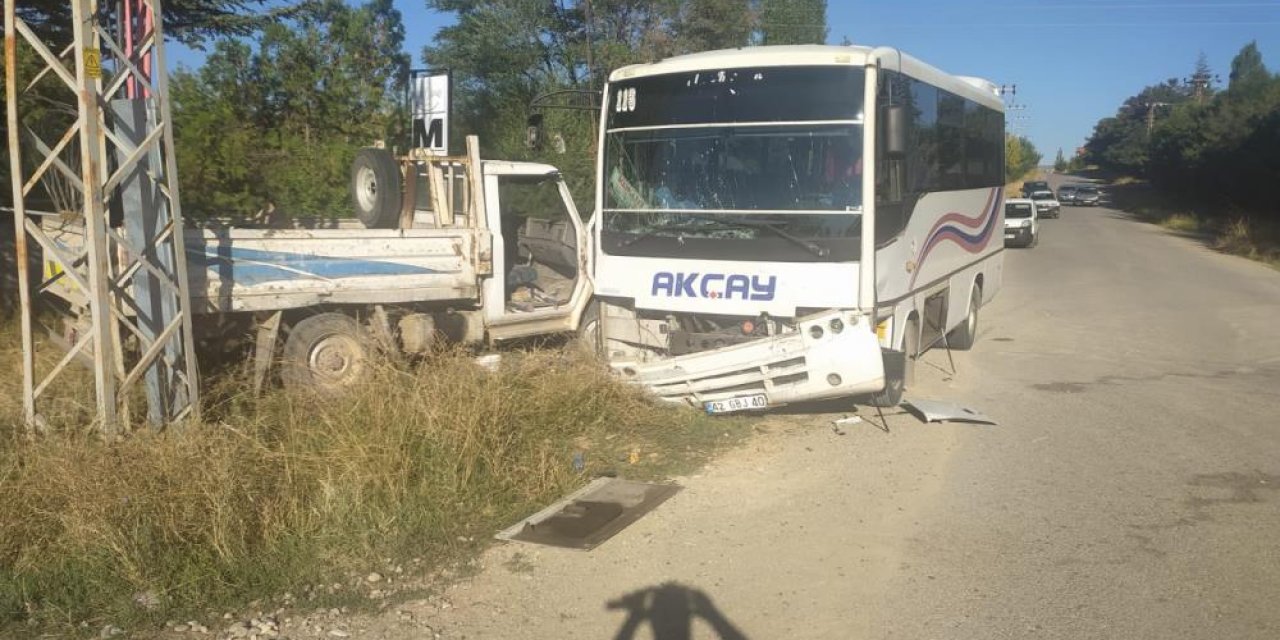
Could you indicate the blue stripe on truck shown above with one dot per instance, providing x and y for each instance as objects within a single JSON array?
[{"x": 253, "y": 266}]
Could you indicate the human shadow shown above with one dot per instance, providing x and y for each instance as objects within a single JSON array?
[{"x": 670, "y": 610}]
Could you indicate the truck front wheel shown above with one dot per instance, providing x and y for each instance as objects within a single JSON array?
[{"x": 325, "y": 353}]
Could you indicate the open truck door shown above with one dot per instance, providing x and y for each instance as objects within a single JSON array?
[{"x": 540, "y": 282}]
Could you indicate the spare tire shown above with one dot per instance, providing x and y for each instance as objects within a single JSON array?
[{"x": 375, "y": 188}]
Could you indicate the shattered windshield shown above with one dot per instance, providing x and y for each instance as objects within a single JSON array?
[
  {"x": 782, "y": 192},
  {"x": 768, "y": 168},
  {"x": 739, "y": 164}
]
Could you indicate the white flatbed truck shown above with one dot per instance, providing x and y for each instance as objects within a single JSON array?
[{"x": 450, "y": 264}]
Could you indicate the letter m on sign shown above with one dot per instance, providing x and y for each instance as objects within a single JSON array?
[
  {"x": 428, "y": 136},
  {"x": 429, "y": 106}
]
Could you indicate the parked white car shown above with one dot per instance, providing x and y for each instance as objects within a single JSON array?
[{"x": 1021, "y": 223}]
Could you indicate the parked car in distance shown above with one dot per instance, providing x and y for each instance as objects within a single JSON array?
[
  {"x": 1067, "y": 193},
  {"x": 1033, "y": 186},
  {"x": 1088, "y": 196},
  {"x": 1021, "y": 224},
  {"x": 1047, "y": 206}
]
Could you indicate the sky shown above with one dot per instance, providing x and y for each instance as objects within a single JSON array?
[{"x": 1073, "y": 61}]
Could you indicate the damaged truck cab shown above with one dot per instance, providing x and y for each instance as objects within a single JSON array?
[{"x": 785, "y": 224}]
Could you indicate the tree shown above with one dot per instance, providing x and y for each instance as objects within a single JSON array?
[
  {"x": 715, "y": 24},
  {"x": 1020, "y": 157},
  {"x": 793, "y": 22},
  {"x": 1119, "y": 143},
  {"x": 504, "y": 53},
  {"x": 191, "y": 21},
  {"x": 1248, "y": 74},
  {"x": 1226, "y": 152},
  {"x": 276, "y": 125},
  {"x": 1060, "y": 162},
  {"x": 1202, "y": 79}
]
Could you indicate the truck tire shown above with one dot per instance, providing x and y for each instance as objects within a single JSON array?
[
  {"x": 375, "y": 188},
  {"x": 326, "y": 353},
  {"x": 962, "y": 337},
  {"x": 899, "y": 374}
]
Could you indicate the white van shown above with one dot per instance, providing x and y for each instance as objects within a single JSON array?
[{"x": 1021, "y": 222}]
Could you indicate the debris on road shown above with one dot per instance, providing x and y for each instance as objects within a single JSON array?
[
  {"x": 935, "y": 411},
  {"x": 845, "y": 421}
]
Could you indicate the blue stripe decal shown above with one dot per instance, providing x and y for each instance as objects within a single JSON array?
[{"x": 253, "y": 266}]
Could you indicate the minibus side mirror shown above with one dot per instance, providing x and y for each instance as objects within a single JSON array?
[{"x": 895, "y": 130}]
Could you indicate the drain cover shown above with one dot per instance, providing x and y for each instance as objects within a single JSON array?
[{"x": 591, "y": 515}]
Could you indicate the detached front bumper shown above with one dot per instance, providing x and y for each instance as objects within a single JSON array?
[{"x": 834, "y": 354}]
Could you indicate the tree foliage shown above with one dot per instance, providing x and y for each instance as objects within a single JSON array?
[
  {"x": 1120, "y": 142},
  {"x": 505, "y": 53},
  {"x": 275, "y": 123},
  {"x": 1248, "y": 74},
  {"x": 704, "y": 25},
  {"x": 1020, "y": 157},
  {"x": 1060, "y": 162},
  {"x": 290, "y": 90},
  {"x": 1224, "y": 149},
  {"x": 793, "y": 22},
  {"x": 190, "y": 21}
]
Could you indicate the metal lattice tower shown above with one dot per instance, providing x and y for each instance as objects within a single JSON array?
[{"x": 94, "y": 181}]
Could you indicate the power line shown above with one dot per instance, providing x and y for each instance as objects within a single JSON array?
[
  {"x": 1145, "y": 6},
  {"x": 1073, "y": 25}
]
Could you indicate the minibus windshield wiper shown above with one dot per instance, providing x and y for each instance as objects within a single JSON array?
[
  {"x": 811, "y": 247},
  {"x": 738, "y": 223}
]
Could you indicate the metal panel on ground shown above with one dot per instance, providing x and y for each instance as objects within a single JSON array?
[{"x": 590, "y": 516}]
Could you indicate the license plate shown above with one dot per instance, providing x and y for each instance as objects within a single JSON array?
[
  {"x": 1010, "y": 236},
  {"x": 742, "y": 403}
]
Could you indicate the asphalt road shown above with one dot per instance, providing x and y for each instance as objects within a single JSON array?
[{"x": 1130, "y": 490}]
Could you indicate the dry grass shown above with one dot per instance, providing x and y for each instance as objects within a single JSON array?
[
  {"x": 1228, "y": 230},
  {"x": 1244, "y": 237},
  {"x": 1184, "y": 222},
  {"x": 273, "y": 492}
]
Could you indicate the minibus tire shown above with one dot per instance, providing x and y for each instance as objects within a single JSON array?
[
  {"x": 590, "y": 340},
  {"x": 899, "y": 375},
  {"x": 962, "y": 337}
]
